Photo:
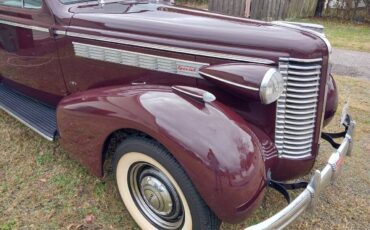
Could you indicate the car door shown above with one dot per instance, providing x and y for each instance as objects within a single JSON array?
[{"x": 28, "y": 53}]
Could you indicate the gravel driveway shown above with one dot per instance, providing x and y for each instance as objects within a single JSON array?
[{"x": 351, "y": 63}]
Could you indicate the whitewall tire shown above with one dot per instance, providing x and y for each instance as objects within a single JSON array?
[{"x": 155, "y": 189}]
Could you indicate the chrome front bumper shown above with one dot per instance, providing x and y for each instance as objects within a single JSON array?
[{"x": 319, "y": 181}]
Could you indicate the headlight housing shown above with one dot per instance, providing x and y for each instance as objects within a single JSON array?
[{"x": 272, "y": 86}]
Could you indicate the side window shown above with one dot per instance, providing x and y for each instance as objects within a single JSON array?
[{"x": 32, "y": 4}]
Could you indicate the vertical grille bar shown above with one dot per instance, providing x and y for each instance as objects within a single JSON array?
[{"x": 297, "y": 107}]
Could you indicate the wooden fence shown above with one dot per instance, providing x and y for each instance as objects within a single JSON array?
[
  {"x": 229, "y": 7},
  {"x": 265, "y": 9}
]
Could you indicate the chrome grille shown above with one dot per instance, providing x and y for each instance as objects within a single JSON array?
[{"x": 296, "y": 108}]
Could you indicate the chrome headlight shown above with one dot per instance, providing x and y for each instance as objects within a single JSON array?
[{"x": 272, "y": 86}]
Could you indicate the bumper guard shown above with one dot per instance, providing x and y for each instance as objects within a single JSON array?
[{"x": 319, "y": 181}]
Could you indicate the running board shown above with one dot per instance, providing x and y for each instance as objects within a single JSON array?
[{"x": 38, "y": 117}]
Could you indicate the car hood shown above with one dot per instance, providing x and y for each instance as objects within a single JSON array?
[{"x": 187, "y": 28}]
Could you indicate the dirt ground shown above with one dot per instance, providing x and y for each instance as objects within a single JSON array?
[
  {"x": 41, "y": 188},
  {"x": 351, "y": 63}
]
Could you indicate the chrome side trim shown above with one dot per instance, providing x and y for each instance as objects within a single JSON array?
[
  {"x": 140, "y": 60},
  {"x": 42, "y": 29},
  {"x": 172, "y": 49},
  {"x": 26, "y": 124},
  {"x": 229, "y": 82}
]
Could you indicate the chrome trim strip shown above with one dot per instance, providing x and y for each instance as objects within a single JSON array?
[
  {"x": 42, "y": 29},
  {"x": 60, "y": 32},
  {"x": 140, "y": 60},
  {"x": 300, "y": 60},
  {"x": 172, "y": 49},
  {"x": 229, "y": 82},
  {"x": 303, "y": 67},
  {"x": 26, "y": 124}
]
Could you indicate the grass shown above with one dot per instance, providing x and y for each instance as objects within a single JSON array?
[
  {"x": 345, "y": 34},
  {"x": 41, "y": 188}
]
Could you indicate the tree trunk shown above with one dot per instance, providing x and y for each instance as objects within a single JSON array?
[
  {"x": 320, "y": 8},
  {"x": 357, "y": 2}
]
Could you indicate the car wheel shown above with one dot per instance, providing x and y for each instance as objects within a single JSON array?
[{"x": 155, "y": 189}]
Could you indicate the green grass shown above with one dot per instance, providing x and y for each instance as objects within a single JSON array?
[
  {"x": 8, "y": 225},
  {"x": 42, "y": 188},
  {"x": 345, "y": 35}
]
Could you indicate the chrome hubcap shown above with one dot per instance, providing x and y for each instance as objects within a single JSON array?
[{"x": 155, "y": 196}]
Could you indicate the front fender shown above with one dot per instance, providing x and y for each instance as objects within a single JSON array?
[
  {"x": 215, "y": 146},
  {"x": 332, "y": 100}
]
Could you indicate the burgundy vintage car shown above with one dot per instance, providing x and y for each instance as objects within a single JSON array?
[{"x": 200, "y": 112}]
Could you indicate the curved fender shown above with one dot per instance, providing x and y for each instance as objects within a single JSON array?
[
  {"x": 332, "y": 100},
  {"x": 216, "y": 147}
]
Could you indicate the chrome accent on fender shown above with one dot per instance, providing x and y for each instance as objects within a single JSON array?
[
  {"x": 42, "y": 29},
  {"x": 308, "y": 198},
  {"x": 187, "y": 93},
  {"x": 140, "y": 60},
  {"x": 172, "y": 49},
  {"x": 297, "y": 107},
  {"x": 206, "y": 97},
  {"x": 229, "y": 82}
]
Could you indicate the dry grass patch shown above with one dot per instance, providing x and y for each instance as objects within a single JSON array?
[{"x": 41, "y": 188}]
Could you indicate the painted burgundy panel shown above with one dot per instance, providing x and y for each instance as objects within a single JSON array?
[
  {"x": 211, "y": 142},
  {"x": 28, "y": 57},
  {"x": 160, "y": 24}
]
